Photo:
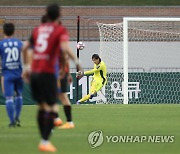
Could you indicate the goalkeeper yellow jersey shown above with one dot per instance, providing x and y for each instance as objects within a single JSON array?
[{"x": 99, "y": 71}]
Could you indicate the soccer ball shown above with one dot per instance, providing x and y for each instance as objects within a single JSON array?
[
  {"x": 79, "y": 74},
  {"x": 80, "y": 45}
]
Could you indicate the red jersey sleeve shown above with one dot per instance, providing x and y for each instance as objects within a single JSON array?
[{"x": 64, "y": 34}]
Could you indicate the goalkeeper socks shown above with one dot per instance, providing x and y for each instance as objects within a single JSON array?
[
  {"x": 18, "y": 106},
  {"x": 10, "y": 109},
  {"x": 85, "y": 98},
  {"x": 67, "y": 110},
  {"x": 93, "y": 95}
]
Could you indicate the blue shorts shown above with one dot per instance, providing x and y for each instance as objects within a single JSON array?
[{"x": 12, "y": 84}]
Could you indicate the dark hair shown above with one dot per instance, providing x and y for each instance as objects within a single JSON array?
[
  {"x": 44, "y": 19},
  {"x": 8, "y": 29},
  {"x": 53, "y": 12},
  {"x": 96, "y": 56}
]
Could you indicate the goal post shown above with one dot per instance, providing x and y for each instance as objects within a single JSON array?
[
  {"x": 149, "y": 48},
  {"x": 125, "y": 60}
]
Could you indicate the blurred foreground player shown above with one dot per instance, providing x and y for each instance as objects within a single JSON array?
[{"x": 47, "y": 40}]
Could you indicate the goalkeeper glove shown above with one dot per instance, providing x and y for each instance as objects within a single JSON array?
[{"x": 79, "y": 74}]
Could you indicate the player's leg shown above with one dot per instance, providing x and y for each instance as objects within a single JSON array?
[
  {"x": 44, "y": 89},
  {"x": 8, "y": 94},
  {"x": 45, "y": 120},
  {"x": 92, "y": 91},
  {"x": 66, "y": 103},
  {"x": 95, "y": 87},
  {"x": 2, "y": 84},
  {"x": 67, "y": 110},
  {"x": 98, "y": 88},
  {"x": 18, "y": 101},
  {"x": 57, "y": 120},
  {"x": 85, "y": 98}
]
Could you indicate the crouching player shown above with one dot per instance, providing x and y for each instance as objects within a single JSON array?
[{"x": 99, "y": 77}]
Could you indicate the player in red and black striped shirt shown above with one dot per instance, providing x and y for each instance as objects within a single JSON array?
[{"x": 46, "y": 40}]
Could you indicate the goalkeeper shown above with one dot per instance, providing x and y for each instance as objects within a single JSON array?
[{"x": 99, "y": 77}]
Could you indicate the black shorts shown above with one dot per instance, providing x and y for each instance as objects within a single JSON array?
[
  {"x": 64, "y": 83},
  {"x": 43, "y": 87}
]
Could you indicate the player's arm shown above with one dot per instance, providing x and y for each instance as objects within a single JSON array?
[
  {"x": 65, "y": 47},
  {"x": 70, "y": 79},
  {"x": 27, "y": 58},
  {"x": 24, "y": 52},
  {"x": 90, "y": 71},
  {"x": 2, "y": 78},
  {"x": 93, "y": 70},
  {"x": 80, "y": 74}
]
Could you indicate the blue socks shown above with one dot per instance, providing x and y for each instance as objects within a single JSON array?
[
  {"x": 18, "y": 106},
  {"x": 10, "y": 109},
  {"x": 14, "y": 106}
]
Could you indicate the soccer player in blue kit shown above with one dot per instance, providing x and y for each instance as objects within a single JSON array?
[{"x": 11, "y": 80}]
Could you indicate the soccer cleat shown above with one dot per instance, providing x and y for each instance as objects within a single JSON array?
[
  {"x": 17, "y": 121},
  {"x": 78, "y": 103},
  {"x": 93, "y": 95},
  {"x": 67, "y": 125},
  {"x": 47, "y": 147},
  {"x": 58, "y": 122},
  {"x": 12, "y": 125}
]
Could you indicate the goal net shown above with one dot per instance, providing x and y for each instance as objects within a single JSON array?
[{"x": 143, "y": 60}]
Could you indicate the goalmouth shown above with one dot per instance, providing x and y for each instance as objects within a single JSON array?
[{"x": 141, "y": 53}]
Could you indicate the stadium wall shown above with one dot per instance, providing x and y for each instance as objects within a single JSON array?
[
  {"x": 94, "y": 10},
  {"x": 26, "y": 17},
  {"x": 167, "y": 55},
  {"x": 160, "y": 88}
]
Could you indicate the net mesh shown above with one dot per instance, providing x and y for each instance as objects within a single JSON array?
[{"x": 153, "y": 61}]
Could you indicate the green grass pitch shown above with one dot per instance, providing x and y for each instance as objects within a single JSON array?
[{"x": 111, "y": 119}]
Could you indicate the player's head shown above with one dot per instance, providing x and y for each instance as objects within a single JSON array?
[
  {"x": 53, "y": 12},
  {"x": 8, "y": 29},
  {"x": 96, "y": 59},
  {"x": 44, "y": 19}
]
